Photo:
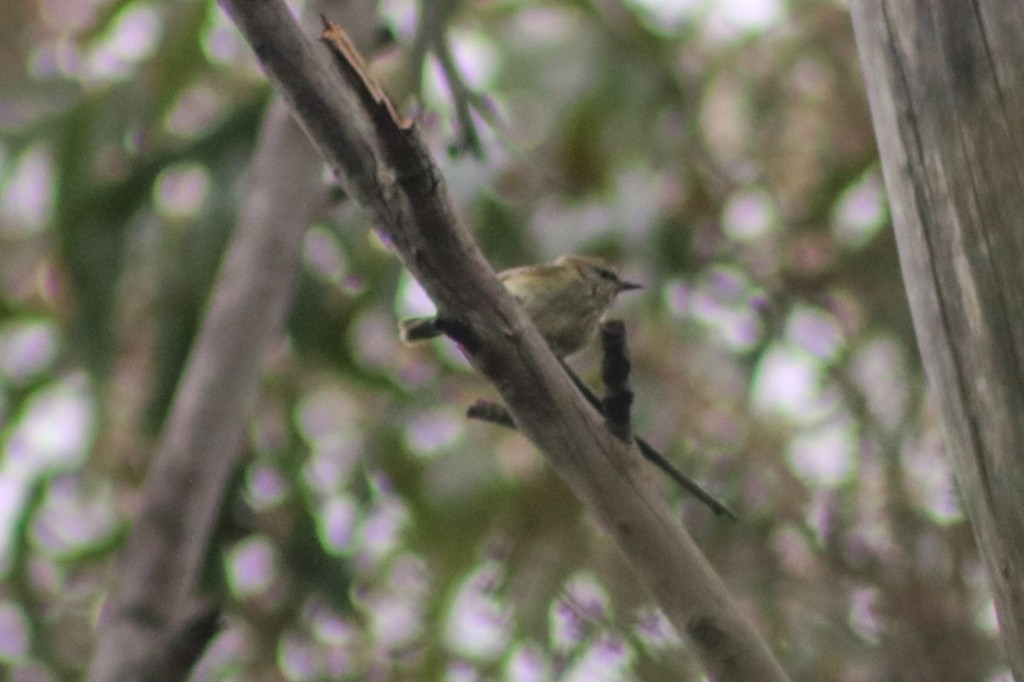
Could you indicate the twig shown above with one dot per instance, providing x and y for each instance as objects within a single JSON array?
[
  {"x": 491, "y": 412},
  {"x": 618, "y": 399},
  {"x": 497, "y": 414},
  {"x": 616, "y": 406},
  {"x": 656, "y": 458},
  {"x": 432, "y": 36},
  {"x": 615, "y": 371}
]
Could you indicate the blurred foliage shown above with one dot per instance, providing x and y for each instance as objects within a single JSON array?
[{"x": 721, "y": 152}]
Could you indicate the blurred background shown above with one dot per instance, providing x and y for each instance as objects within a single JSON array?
[{"x": 720, "y": 152}]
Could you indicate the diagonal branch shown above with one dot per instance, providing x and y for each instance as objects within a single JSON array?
[
  {"x": 157, "y": 620},
  {"x": 388, "y": 169}
]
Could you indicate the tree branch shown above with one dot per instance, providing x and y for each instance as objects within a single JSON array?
[
  {"x": 156, "y": 610},
  {"x": 618, "y": 400},
  {"x": 387, "y": 167},
  {"x": 432, "y": 36}
]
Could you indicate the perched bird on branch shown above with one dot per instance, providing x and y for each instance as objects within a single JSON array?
[{"x": 565, "y": 300}]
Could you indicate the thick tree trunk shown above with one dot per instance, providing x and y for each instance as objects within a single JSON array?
[{"x": 946, "y": 84}]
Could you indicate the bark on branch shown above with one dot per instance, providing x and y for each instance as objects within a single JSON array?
[
  {"x": 158, "y": 572},
  {"x": 946, "y": 85},
  {"x": 385, "y": 165},
  {"x": 157, "y": 620}
]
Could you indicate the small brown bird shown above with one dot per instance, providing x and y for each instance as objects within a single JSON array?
[{"x": 565, "y": 300}]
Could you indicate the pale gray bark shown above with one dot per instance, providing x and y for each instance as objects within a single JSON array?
[
  {"x": 156, "y": 621},
  {"x": 946, "y": 85}
]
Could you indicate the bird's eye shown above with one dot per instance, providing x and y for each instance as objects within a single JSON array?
[{"x": 604, "y": 273}]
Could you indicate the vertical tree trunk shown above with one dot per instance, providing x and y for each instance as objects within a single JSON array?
[{"x": 946, "y": 85}]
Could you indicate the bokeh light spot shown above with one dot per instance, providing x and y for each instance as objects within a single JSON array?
[
  {"x": 815, "y": 331},
  {"x": 823, "y": 456},
  {"x": 860, "y": 211},
  {"x": 323, "y": 255},
  {"x": 74, "y": 517},
  {"x": 298, "y": 659},
  {"x": 433, "y": 432},
  {"x": 748, "y": 215},
  {"x": 13, "y": 633},
  {"x": 252, "y": 566},
  {"x": 527, "y": 663},
  {"x": 477, "y": 620},
  {"x": 131, "y": 38},
  {"x": 195, "y": 111},
  {"x": 732, "y": 19},
  {"x": 179, "y": 191},
  {"x": 606, "y": 660},
  {"x": 27, "y": 199},
  {"x": 665, "y": 16},
  {"x": 336, "y": 524},
  {"x": 55, "y": 429},
  {"x": 266, "y": 487},
  {"x": 723, "y": 301},
  {"x": 27, "y": 348},
  {"x": 787, "y": 382}
]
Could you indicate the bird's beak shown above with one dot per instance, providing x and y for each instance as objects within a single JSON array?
[{"x": 629, "y": 286}]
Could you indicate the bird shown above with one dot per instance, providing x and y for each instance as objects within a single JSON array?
[{"x": 565, "y": 300}]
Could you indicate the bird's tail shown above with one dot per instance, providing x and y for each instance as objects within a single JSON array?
[{"x": 416, "y": 329}]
